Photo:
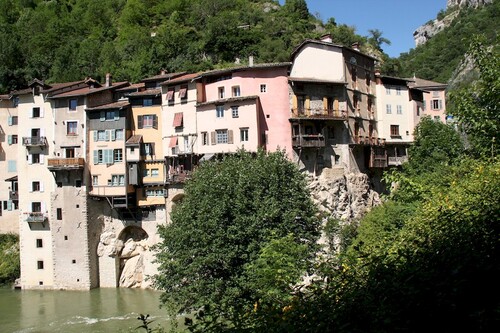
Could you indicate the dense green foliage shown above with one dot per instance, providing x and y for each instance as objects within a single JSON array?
[
  {"x": 67, "y": 40},
  {"x": 245, "y": 232},
  {"x": 476, "y": 108},
  {"x": 439, "y": 57},
  {"x": 9, "y": 252}
]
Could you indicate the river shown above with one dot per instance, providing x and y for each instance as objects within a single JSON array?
[{"x": 97, "y": 310}]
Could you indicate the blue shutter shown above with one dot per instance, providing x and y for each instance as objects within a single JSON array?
[
  {"x": 12, "y": 166},
  {"x": 106, "y": 135},
  {"x": 9, "y": 205},
  {"x": 96, "y": 157},
  {"x": 109, "y": 156},
  {"x": 10, "y": 120},
  {"x": 95, "y": 136},
  {"x": 113, "y": 135},
  {"x": 9, "y": 139}
]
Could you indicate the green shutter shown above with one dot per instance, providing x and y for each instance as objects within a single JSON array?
[
  {"x": 10, "y": 120},
  {"x": 96, "y": 157},
  {"x": 9, "y": 139},
  {"x": 113, "y": 135},
  {"x": 106, "y": 135},
  {"x": 9, "y": 205},
  {"x": 95, "y": 136}
]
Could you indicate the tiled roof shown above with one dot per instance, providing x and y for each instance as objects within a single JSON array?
[
  {"x": 134, "y": 86},
  {"x": 148, "y": 92},
  {"x": 88, "y": 91},
  {"x": 421, "y": 83},
  {"x": 4, "y": 97},
  {"x": 115, "y": 105},
  {"x": 56, "y": 86},
  {"x": 134, "y": 140},
  {"x": 245, "y": 68},
  {"x": 163, "y": 77},
  {"x": 228, "y": 100},
  {"x": 183, "y": 78}
]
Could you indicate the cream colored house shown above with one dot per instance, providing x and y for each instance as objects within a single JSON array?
[
  {"x": 9, "y": 141},
  {"x": 333, "y": 107},
  {"x": 434, "y": 104}
]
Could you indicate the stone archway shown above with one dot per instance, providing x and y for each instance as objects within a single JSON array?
[{"x": 130, "y": 259}]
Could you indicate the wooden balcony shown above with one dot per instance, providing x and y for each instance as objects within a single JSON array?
[
  {"x": 308, "y": 141},
  {"x": 76, "y": 163},
  {"x": 35, "y": 217},
  {"x": 13, "y": 195},
  {"x": 397, "y": 160},
  {"x": 321, "y": 114},
  {"x": 178, "y": 177},
  {"x": 34, "y": 141}
]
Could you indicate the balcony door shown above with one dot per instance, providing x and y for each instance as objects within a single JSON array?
[
  {"x": 35, "y": 132},
  {"x": 70, "y": 152}
]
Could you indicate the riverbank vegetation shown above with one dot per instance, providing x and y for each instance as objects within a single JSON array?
[
  {"x": 426, "y": 260},
  {"x": 9, "y": 262}
]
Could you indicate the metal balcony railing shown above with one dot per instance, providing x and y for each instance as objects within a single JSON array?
[
  {"x": 35, "y": 217},
  {"x": 34, "y": 141}
]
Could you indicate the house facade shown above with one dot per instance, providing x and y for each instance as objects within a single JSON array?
[{"x": 9, "y": 141}]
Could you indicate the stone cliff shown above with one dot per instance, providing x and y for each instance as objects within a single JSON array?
[{"x": 430, "y": 29}]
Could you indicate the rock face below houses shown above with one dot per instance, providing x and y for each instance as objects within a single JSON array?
[{"x": 345, "y": 197}]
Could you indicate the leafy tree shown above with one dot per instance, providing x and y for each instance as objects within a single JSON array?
[
  {"x": 376, "y": 39},
  {"x": 477, "y": 107},
  {"x": 234, "y": 217},
  {"x": 10, "y": 264}
]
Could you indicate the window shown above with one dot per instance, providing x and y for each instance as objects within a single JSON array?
[
  {"x": 370, "y": 104},
  {"x": 149, "y": 148},
  {"x": 39, "y": 264},
  {"x": 119, "y": 134},
  {"x": 204, "y": 138},
  {"x": 388, "y": 108},
  {"x": 12, "y": 139},
  {"x": 154, "y": 173},
  {"x": 148, "y": 120},
  {"x": 103, "y": 156},
  {"x": 35, "y": 186},
  {"x": 221, "y": 136},
  {"x": 101, "y": 135},
  {"x": 147, "y": 102},
  {"x": 394, "y": 130},
  {"x": 117, "y": 180},
  {"x": 243, "y": 134},
  {"x": 221, "y": 92},
  {"x": 99, "y": 156},
  {"x": 35, "y": 158},
  {"x": 263, "y": 88},
  {"x": 368, "y": 79},
  {"x": 387, "y": 90},
  {"x": 109, "y": 115},
  {"x": 155, "y": 193},
  {"x": 398, "y": 90},
  {"x": 72, "y": 103},
  {"x": 72, "y": 128},
  {"x": 36, "y": 113},
  {"x": 145, "y": 173},
  {"x": 39, "y": 243},
  {"x": 219, "y": 109},
  {"x": 354, "y": 73},
  {"x": 12, "y": 120},
  {"x": 236, "y": 91},
  {"x": 117, "y": 155},
  {"x": 399, "y": 109},
  {"x": 355, "y": 100},
  {"x": 59, "y": 213},
  {"x": 234, "y": 111},
  {"x": 12, "y": 166},
  {"x": 436, "y": 104},
  {"x": 36, "y": 207},
  {"x": 95, "y": 180},
  {"x": 183, "y": 93},
  {"x": 171, "y": 96}
]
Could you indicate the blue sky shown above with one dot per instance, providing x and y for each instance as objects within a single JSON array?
[{"x": 397, "y": 19}]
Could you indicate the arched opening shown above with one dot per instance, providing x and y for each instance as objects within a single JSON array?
[{"x": 130, "y": 259}]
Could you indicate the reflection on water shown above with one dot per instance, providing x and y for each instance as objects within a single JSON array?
[{"x": 98, "y": 310}]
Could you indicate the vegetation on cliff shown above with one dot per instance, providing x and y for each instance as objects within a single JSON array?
[{"x": 9, "y": 252}]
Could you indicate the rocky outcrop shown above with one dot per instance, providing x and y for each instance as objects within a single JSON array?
[
  {"x": 467, "y": 3},
  {"x": 345, "y": 197},
  {"x": 430, "y": 29}
]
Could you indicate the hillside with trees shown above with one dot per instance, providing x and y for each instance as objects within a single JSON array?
[{"x": 67, "y": 40}]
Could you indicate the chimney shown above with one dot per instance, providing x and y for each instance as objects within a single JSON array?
[
  {"x": 163, "y": 71},
  {"x": 250, "y": 61},
  {"x": 355, "y": 46},
  {"x": 378, "y": 79},
  {"x": 109, "y": 80},
  {"x": 326, "y": 38}
]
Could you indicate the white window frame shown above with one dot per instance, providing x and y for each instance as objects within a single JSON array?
[
  {"x": 235, "y": 111},
  {"x": 219, "y": 111},
  {"x": 388, "y": 108},
  {"x": 236, "y": 91},
  {"x": 68, "y": 128},
  {"x": 221, "y": 136},
  {"x": 244, "y": 134},
  {"x": 263, "y": 88},
  {"x": 399, "y": 109}
]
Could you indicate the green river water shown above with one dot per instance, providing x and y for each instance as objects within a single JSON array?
[{"x": 98, "y": 310}]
